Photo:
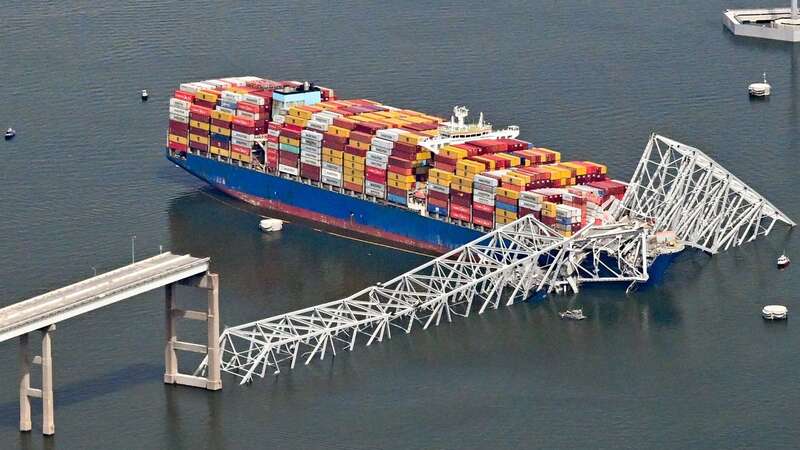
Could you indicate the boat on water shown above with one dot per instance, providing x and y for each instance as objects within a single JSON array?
[
  {"x": 269, "y": 225},
  {"x": 10, "y": 133},
  {"x": 762, "y": 89},
  {"x": 783, "y": 261},
  {"x": 572, "y": 314},
  {"x": 145, "y": 95},
  {"x": 775, "y": 312}
]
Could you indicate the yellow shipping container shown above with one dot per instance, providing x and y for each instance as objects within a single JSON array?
[
  {"x": 359, "y": 180},
  {"x": 245, "y": 158},
  {"x": 514, "y": 161},
  {"x": 300, "y": 122},
  {"x": 220, "y": 130},
  {"x": 213, "y": 150},
  {"x": 235, "y": 156},
  {"x": 402, "y": 178},
  {"x": 580, "y": 169},
  {"x": 410, "y": 138},
  {"x": 441, "y": 174},
  {"x": 557, "y": 154},
  {"x": 198, "y": 138},
  {"x": 353, "y": 158},
  {"x": 296, "y": 111},
  {"x": 400, "y": 184},
  {"x": 207, "y": 96},
  {"x": 198, "y": 124},
  {"x": 179, "y": 139},
  {"x": 466, "y": 181},
  {"x": 338, "y": 131},
  {"x": 221, "y": 115},
  {"x": 359, "y": 144},
  {"x": 332, "y": 160},
  {"x": 422, "y": 156},
  {"x": 453, "y": 152},
  {"x": 510, "y": 193},
  {"x": 355, "y": 165}
]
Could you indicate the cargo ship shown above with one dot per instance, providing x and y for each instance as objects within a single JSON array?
[{"x": 373, "y": 170}]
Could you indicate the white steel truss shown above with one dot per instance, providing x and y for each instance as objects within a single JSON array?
[
  {"x": 681, "y": 189},
  {"x": 504, "y": 266},
  {"x": 675, "y": 188}
]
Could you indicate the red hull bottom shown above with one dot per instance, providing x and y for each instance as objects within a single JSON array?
[{"x": 346, "y": 227}]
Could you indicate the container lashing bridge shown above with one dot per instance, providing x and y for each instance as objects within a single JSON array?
[{"x": 675, "y": 188}]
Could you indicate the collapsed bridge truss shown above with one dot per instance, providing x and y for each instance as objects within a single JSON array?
[{"x": 518, "y": 260}]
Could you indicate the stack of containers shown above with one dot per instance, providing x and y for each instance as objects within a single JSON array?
[
  {"x": 568, "y": 220},
  {"x": 289, "y": 150},
  {"x": 400, "y": 177},
  {"x": 439, "y": 193},
  {"x": 242, "y": 138},
  {"x": 609, "y": 188},
  {"x": 354, "y": 158},
  {"x": 334, "y": 141},
  {"x": 530, "y": 203},
  {"x": 508, "y": 194},
  {"x": 377, "y": 162},
  {"x": 200, "y": 126},
  {"x": 220, "y": 131},
  {"x": 273, "y": 145},
  {"x": 311, "y": 154},
  {"x": 484, "y": 188},
  {"x": 178, "y": 135},
  {"x": 461, "y": 188}
]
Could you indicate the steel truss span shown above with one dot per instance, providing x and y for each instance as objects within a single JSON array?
[
  {"x": 679, "y": 188},
  {"x": 675, "y": 188}
]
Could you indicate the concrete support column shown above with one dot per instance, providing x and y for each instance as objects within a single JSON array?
[
  {"x": 170, "y": 358},
  {"x": 214, "y": 377},
  {"x": 48, "y": 418},
  {"x": 24, "y": 383}
]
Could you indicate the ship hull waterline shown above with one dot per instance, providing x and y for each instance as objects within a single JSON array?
[{"x": 347, "y": 215}]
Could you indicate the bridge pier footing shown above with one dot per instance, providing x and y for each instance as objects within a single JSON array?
[
  {"x": 45, "y": 360},
  {"x": 172, "y": 375}
]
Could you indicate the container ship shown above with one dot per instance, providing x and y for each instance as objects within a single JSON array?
[{"x": 376, "y": 171}]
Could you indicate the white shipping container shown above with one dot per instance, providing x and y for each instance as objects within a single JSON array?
[
  {"x": 254, "y": 99},
  {"x": 377, "y": 165},
  {"x": 179, "y": 118},
  {"x": 273, "y": 145},
  {"x": 242, "y": 136},
  {"x": 332, "y": 181},
  {"x": 227, "y": 110},
  {"x": 204, "y": 85},
  {"x": 377, "y": 157},
  {"x": 276, "y": 133},
  {"x": 311, "y": 135},
  {"x": 218, "y": 83},
  {"x": 332, "y": 167},
  {"x": 484, "y": 197},
  {"x": 317, "y": 125},
  {"x": 382, "y": 143},
  {"x": 249, "y": 115},
  {"x": 310, "y": 159},
  {"x": 390, "y": 134},
  {"x": 380, "y": 193},
  {"x": 189, "y": 87},
  {"x": 288, "y": 169},
  {"x": 236, "y": 81},
  {"x": 336, "y": 175},
  {"x": 369, "y": 184},
  {"x": 439, "y": 188},
  {"x": 180, "y": 111},
  {"x": 486, "y": 181},
  {"x": 178, "y": 103},
  {"x": 533, "y": 197},
  {"x": 530, "y": 205},
  {"x": 241, "y": 142},
  {"x": 383, "y": 151},
  {"x": 484, "y": 201}
]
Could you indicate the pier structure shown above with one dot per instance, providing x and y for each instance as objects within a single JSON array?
[
  {"x": 42, "y": 313},
  {"x": 781, "y": 24},
  {"x": 676, "y": 190}
]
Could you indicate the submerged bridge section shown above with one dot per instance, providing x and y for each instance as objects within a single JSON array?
[
  {"x": 43, "y": 312},
  {"x": 675, "y": 188}
]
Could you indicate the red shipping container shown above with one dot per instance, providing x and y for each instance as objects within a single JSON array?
[
  {"x": 250, "y": 107},
  {"x": 461, "y": 201},
  {"x": 349, "y": 149},
  {"x": 183, "y": 95},
  {"x": 445, "y": 159},
  {"x": 198, "y": 131},
  {"x": 446, "y": 167},
  {"x": 461, "y": 209},
  {"x": 376, "y": 178},
  {"x": 309, "y": 171},
  {"x": 178, "y": 128},
  {"x": 198, "y": 146},
  {"x": 205, "y": 104},
  {"x": 200, "y": 110},
  {"x": 275, "y": 126},
  {"x": 343, "y": 123},
  {"x": 405, "y": 147},
  {"x": 244, "y": 122},
  {"x": 400, "y": 170},
  {"x": 488, "y": 223},
  {"x": 436, "y": 202},
  {"x": 369, "y": 127},
  {"x": 460, "y": 215},
  {"x": 361, "y": 137},
  {"x": 506, "y": 200},
  {"x": 481, "y": 213},
  {"x": 240, "y": 149},
  {"x": 243, "y": 129},
  {"x": 328, "y": 138},
  {"x": 472, "y": 149},
  {"x": 353, "y": 186},
  {"x": 177, "y": 146},
  {"x": 476, "y": 207},
  {"x": 220, "y": 123},
  {"x": 291, "y": 134},
  {"x": 438, "y": 196},
  {"x": 376, "y": 172},
  {"x": 396, "y": 191},
  {"x": 401, "y": 162}
]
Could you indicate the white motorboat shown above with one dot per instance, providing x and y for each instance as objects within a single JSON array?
[
  {"x": 269, "y": 225},
  {"x": 783, "y": 261},
  {"x": 10, "y": 133},
  {"x": 144, "y": 95},
  {"x": 572, "y": 314},
  {"x": 775, "y": 312},
  {"x": 762, "y": 89}
]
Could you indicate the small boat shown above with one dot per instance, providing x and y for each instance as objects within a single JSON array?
[
  {"x": 775, "y": 312},
  {"x": 144, "y": 95},
  {"x": 268, "y": 225},
  {"x": 10, "y": 133},
  {"x": 760, "y": 89},
  {"x": 783, "y": 261},
  {"x": 572, "y": 314}
]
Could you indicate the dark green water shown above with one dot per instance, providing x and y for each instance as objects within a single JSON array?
[{"x": 687, "y": 365}]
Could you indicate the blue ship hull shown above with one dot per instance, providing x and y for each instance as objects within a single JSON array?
[{"x": 348, "y": 214}]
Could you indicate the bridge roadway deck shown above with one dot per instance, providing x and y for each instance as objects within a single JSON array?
[{"x": 97, "y": 292}]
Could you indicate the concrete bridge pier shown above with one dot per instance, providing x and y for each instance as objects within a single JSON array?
[
  {"x": 213, "y": 381},
  {"x": 25, "y": 389}
]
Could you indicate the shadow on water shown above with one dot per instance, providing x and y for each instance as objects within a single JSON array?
[{"x": 81, "y": 391}]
